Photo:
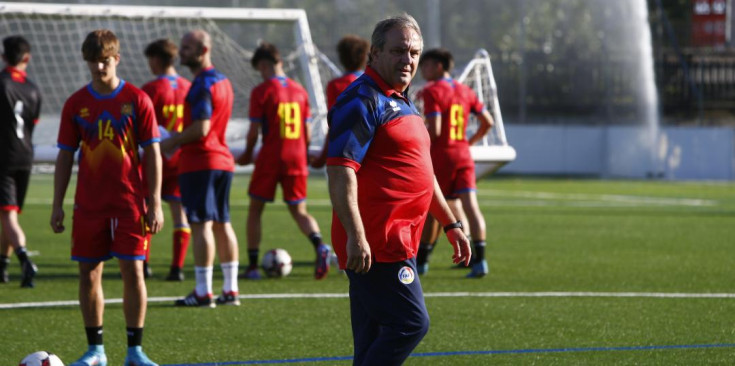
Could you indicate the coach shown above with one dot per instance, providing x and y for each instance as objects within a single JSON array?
[{"x": 381, "y": 184}]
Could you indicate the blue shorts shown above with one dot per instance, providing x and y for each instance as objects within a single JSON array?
[
  {"x": 205, "y": 195},
  {"x": 389, "y": 317}
]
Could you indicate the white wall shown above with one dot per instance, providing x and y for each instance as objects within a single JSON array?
[{"x": 687, "y": 153}]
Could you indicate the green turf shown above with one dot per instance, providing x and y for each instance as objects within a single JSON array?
[{"x": 545, "y": 235}]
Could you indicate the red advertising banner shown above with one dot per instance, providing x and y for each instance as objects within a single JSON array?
[{"x": 709, "y": 23}]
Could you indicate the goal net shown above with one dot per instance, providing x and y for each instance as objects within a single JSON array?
[{"x": 56, "y": 33}]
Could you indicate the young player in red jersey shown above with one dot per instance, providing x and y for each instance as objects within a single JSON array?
[
  {"x": 352, "y": 51},
  {"x": 20, "y": 107},
  {"x": 447, "y": 106},
  {"x": 279, "y": 108},
  {"x": 108, "y": 120},
  {"x": 205, "y": 172},
  {"x": 168, "y": 92},
  {"x": 381, "y": 185}
]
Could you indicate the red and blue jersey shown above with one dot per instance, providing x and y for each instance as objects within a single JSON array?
[
  {"x": 378, "y": 132},
  {"x": 337, "y": 85},
  {"x": 168, "y": 93},
  {"x": 281, "y": 106},
  {"x": 108, "y": 130},
  {"x": 210, "y": 97}
]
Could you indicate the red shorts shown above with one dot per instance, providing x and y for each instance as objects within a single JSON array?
[
  {"x": 454, "y": 181},
  {"x": 96, "y": 239},
  {"x": 263, "y": 187},
  {"x": 170, "y": 186},
  {"x": 454, "y": 170}
]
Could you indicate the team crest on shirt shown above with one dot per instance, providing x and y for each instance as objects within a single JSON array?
[
  {"x": 84, "y": 112},
  {"x": 126, "y": 109},
  {"x": 406, "y": 275},
  {"x": 394, "y": 105}
]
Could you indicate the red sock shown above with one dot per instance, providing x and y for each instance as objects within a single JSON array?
[{"x": 181, "y": 245}]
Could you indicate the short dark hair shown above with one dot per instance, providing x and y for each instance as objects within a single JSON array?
[
  {"x": 440, "y": 55},
  {"x": 163, "y": 49},
  {"x": 100, "y": 43},
  {"x": 15, "y": 48},
  {"x": 265, "y": 51},
  {"x": 353, "y": 51}
]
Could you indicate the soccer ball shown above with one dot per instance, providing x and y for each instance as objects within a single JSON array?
[
  {"x": 41, "y": 358},
  {"x": 277, "y": 263}
]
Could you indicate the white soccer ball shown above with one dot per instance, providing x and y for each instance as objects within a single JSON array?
[
  {"x": 277, "y": 263},
  {"x": 41, "y": 358}
]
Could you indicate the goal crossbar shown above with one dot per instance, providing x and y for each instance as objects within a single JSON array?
[{"x": 308, "y": 59}]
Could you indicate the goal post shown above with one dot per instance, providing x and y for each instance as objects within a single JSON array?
[
  {"x": 56, "y": 33},
  {"x": 493, "y": 151}
]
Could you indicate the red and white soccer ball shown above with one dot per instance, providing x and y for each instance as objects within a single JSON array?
[
  {"x": 41, "y": 358},
  {"x": 277, "y": 263}
]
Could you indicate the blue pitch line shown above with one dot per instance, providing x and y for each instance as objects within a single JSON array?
[{"x": 470, "y": 353}]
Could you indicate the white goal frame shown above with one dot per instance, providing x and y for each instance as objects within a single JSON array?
[
  {"x": 307, "y": 57},
  {"x": 488, "y": 157}
]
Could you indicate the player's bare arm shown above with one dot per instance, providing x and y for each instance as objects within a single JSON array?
[
  {"x": 343, "y": 193},
  {"x": 441, "y": 211},
  {"x": 197, "y": 130},
  {"x": 153, "y": 164},
  {"x": 434, "y": 125},
  {"x": 62, "y": 174},
  {"x": 307, "y": 134},
  {"x": 250, "y": 140},
  {"x": 486, "y": 123}
]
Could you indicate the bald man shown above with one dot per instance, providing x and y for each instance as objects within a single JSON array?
[{"x": 205, "y": 172}]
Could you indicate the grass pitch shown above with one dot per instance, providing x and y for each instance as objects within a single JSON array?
[{"x": 583, "y": 272}]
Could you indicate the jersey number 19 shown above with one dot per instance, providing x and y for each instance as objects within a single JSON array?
[
  {"x": 290, "y": 116},
  {"x": 456, "y": 122}
]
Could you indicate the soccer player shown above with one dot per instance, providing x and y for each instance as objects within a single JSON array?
[
  {"x": 352, "y": 51},
  {"x": 447, "y": 106},
  {"x": 167, "y": 92},
  {"x": 108, "y": 120},
  {"x": 205, "y": 172},
  {"x": 279, "y": 108},
  {"x": 20, "y": 107},
  {"x": 381, "y": 185}
]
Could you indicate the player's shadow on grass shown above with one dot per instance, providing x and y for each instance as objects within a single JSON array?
[{"x": 303, "y": 264}]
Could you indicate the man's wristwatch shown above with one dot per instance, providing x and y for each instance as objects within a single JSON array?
[{"x": 454, "y": 225}]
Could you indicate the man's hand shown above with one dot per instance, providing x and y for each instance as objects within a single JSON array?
[
  {"x": 245, "y": 159},
  {"x": 154, "y": 219},
  {"x": 319, "y": 160},
  {"x": 461, "y": 246},
  {"x": 358, "y": 256},
  {"x": 57, "y": 220}
]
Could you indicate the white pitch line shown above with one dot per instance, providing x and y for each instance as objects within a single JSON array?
[
  {"x": 511, "y": 199},
  {"x": 615, "y": 198},
  {"x": 666, "y": 295}
]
